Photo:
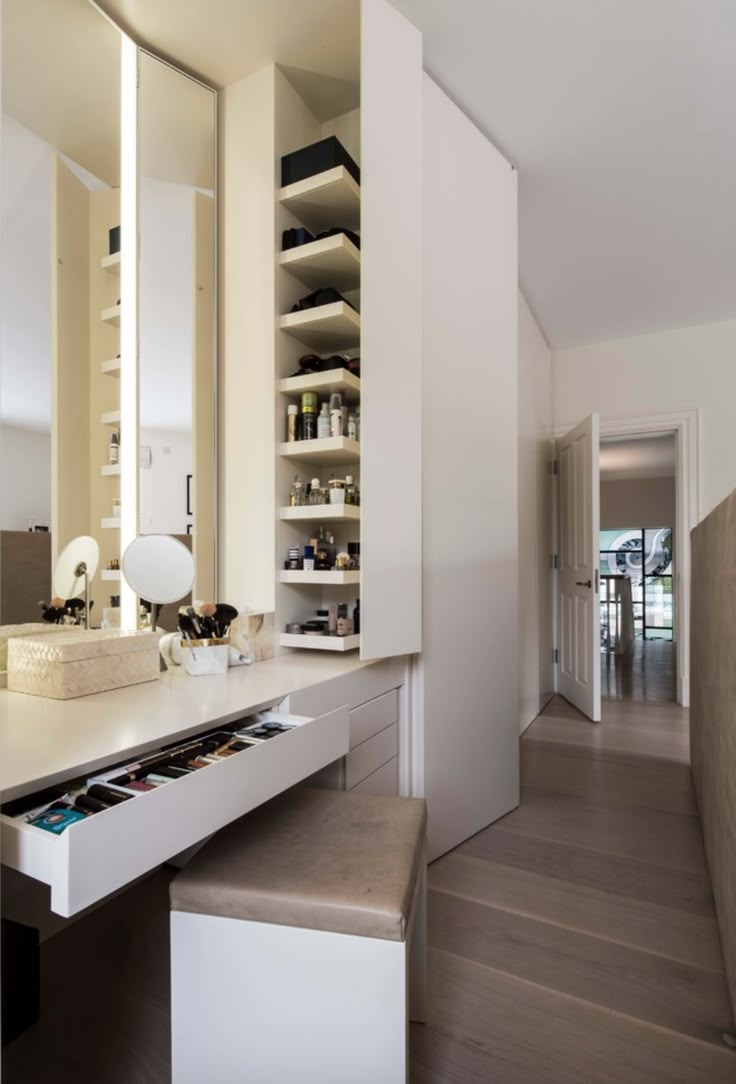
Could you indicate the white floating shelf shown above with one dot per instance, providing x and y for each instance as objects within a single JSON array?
[
  {"x": 111, "y": 367},
  {"x": 323, "y": 513},
  {"x": 320, "y": 643},
  {"x": 110, "y": 523},
  {"x": 328, "y": 579},
  {"x": 110, "y": 574},
  {"x": 328, "y": 450},
  {"x": 107, "y": 470},
  {"x": 328, "y": 198},
  {"x": 111, "y": 264},
  {"x": 328, "y": 327},
  {"x": 110, "y": 417},
  {"x": 333, "y": 260},
  {"x": 332, "y": 380},
  {"x": 111, "y": 315}
]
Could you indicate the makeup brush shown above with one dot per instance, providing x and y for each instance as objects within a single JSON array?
[
  {"x": 186, "y": 628},
  {"x": 207, "y": 611},
  {"x": 224, "y": 617},
  {"x": 192, "y": 615}
]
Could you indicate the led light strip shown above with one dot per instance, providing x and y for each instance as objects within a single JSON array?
[{"x": 128, "y": 317}]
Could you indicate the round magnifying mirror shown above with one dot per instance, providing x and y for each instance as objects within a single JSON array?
[
  {"x": 75, "y": 567},
  {"x": 158, "y": 568}
]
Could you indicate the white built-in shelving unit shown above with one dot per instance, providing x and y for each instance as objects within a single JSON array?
[{"x": 328, "y": 200}]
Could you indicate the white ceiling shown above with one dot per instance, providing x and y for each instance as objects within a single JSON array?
[
  {"x": 224, "y": 40},
  {"x": 620, "y": 117},
  {"x": 638, "y": 457}
]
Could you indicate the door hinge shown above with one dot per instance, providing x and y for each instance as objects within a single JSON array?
[
  {"x": 555, "y": 561},
  {"x": 555, "y": 654}
]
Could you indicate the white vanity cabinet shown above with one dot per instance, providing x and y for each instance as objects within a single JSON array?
[
  {"x": 379, "y": 721},
  {"x": 101, "y": 854}
]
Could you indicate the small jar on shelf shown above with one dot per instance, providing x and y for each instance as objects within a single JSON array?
[{"x": 296, "y": 496}]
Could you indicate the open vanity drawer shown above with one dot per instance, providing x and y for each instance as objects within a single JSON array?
[{"x": 108, "y": 849}]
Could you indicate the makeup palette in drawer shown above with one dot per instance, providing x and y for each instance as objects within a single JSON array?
[{"x": 93, "y": 857}]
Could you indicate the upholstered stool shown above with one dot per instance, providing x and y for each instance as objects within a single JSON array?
[{"x": 298, "y": 941}]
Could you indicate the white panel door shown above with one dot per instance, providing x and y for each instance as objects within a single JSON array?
[
  {"x": 391, "y": 323},
  {"x": 467, "y": 675},
  {"x": 578, "y": 455}
]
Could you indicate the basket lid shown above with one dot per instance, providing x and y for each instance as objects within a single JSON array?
[{"x": 82, "y": 644}]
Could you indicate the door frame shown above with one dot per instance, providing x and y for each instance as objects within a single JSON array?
[{"x": 685, "y": 424}]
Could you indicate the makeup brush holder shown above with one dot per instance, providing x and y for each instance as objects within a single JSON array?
[{"x": 205, "y": 657}]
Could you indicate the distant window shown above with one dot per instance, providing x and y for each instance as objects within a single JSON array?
[{"x": 645, "y": 556}]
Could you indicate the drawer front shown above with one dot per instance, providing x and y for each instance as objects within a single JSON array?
[
  {"x": 373, "y": 717},
  {"x": 110, "y": 849},
  {"x": 366, "y": 758},
  {"x": 352, "y": 689},
  {"x": 383, "y": 781}
]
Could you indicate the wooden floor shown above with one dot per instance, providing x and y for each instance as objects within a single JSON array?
[
  {"x": 647, "y": 673},
  {"x": 573, "y": 942}
]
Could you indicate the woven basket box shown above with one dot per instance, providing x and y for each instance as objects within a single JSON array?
[
  {"x": 31, "y": 628},
  {"x": 81, "y": 663}
]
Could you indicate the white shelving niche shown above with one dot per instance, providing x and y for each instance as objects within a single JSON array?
[{"x": 329, "y": 200}]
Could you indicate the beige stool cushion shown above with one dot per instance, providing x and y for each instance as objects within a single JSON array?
[{"x": 317, "y": 859}]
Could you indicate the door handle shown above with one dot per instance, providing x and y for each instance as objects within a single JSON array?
[{"x": 583, "y": 583}]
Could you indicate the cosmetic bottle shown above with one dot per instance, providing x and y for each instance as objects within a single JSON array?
[
  {"x": 296, "y": 496},
  {"x": 354, "y": 555},
  {"x": 332, "y": 619},
  {"x": 308, "y": 563},
  {"x": 323, "y": 422},
  {"x": 292, "y": 422},
  {"x": 357, "y": 423},
  {"x": 309, "y": 415},
  {"x": 352, "y": 427},
  {"x": 350, "y": 492},
  {"x": 113, "y": 449},
  {"x": 336, "y": 415},
  {"x": 315, "y": 492},
  {"x": 337, "y": 490},
  {"x": 342, "y": 619},
  {"x": 356, "y": 617}
]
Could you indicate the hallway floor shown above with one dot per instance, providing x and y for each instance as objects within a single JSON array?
[
  {"x": 648, "y": 673},
  {"x": 574, "y": 941}
]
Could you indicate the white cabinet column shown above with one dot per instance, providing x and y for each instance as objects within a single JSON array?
[
  {"x": 467, "y": 676},
  {"x": 391, "y": 320}
]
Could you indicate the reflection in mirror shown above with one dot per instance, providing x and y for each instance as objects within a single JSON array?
[
  {"x": 59, "y": 202},
  {"x": 176, "y": 313}
]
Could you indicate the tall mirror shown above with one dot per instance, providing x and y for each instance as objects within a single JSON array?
[
  {"x": 59, "y": 294},
  {"x": 176, "y": 312},
  {"x": 61, "y": 381}
]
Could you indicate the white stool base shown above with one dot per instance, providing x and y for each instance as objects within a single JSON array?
[{"x": 254, "y": 1003}]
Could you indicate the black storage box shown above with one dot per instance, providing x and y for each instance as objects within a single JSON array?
[
  {"x": 114, "y": 245},
  {"x": 317, "y": 158}
]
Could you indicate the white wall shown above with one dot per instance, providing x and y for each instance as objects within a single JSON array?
[
  {"x": 163, "y": 487},
  {"x": 25, "y": 278},
  {"x": 166, "y": 304},
  {"x": 668, "y": 371},
  {"x": 25, "y": 477},
  {"x": 637, "y": 502},
  {"x": 536, "y": 630}
]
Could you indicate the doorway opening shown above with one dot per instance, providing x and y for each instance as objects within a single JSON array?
[{"x": 638, "y": 619}]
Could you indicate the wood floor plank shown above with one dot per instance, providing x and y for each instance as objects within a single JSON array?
[
  {"x": 437, "y": 1058},
  {"x": 558, "y": 1039},
  {"x": 674, "y": 934},
  {"x": 664, "y": 839},
  {"x": 667, "y": 993},
  {"x": 610, "y": 779},
  {"x": 627, "y": 877}
]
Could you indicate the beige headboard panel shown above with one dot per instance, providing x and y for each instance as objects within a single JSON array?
[{"x": 713, "y": 710}]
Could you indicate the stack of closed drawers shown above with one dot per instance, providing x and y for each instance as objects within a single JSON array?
[{"x": 372, "y": 765}]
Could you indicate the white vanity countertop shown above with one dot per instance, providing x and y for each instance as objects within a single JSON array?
[{"x": 43, "y": 741}]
